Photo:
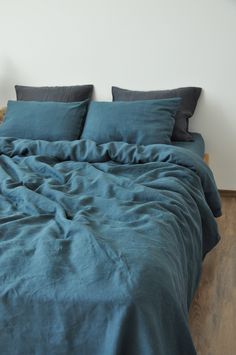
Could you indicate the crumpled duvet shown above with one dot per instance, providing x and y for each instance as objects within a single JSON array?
[{"x": 101, "y": 246}]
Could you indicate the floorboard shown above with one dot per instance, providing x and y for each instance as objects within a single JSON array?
[{"x": 213, "y": 311}]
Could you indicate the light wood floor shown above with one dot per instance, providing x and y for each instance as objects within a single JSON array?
[{"x": 213, "y": 311}]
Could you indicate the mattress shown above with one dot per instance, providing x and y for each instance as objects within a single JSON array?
[{"x": 196, "y": 146}]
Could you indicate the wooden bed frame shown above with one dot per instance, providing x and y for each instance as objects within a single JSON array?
[
  {"x": 206, "y": 158},
  {"x": 2, "y": 112}
]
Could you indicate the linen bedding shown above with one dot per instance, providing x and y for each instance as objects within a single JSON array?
[
  {"x": 101, "y": 246},
  {"x": 197, "y": 145}
]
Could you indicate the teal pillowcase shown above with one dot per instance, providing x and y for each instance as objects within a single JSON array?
[
  {"x": 139, "y": 122},
  {"x": 49, "y": 121}
]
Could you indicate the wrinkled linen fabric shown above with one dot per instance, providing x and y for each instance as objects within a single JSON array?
[{"x": 101, "y": 246}]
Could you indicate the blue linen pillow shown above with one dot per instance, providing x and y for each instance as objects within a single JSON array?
[
  {"x": 189, "y": 98},
  {"x": 139, "y": 122},
  {"x": 49, "y": 121}
]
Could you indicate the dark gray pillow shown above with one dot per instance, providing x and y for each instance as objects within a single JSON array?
[
  {"x": 189, "y": 96},
  {"x": 54, "y": 93}
]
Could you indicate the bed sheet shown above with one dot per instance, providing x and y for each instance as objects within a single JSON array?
[{"x": 197, "y": 146}]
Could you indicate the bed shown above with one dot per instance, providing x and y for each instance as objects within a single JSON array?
[{"x": 101, "y": 245}]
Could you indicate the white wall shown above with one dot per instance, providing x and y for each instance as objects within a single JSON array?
[{"x": 137, "y": 44}]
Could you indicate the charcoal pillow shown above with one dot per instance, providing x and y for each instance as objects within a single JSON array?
[
  {"x": 189, "y": 96},
  {"x": 57, "y": 93},
  {"x": 49, "y": 121},
  {"x": 139, "y": 122}
]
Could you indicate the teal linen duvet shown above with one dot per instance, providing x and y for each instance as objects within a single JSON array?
[{"x": 101, "y": 246}]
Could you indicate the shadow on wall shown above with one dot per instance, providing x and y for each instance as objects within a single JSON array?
[
  {"x": 214, "y": 122},
  {"x": 9, "y": 77}
]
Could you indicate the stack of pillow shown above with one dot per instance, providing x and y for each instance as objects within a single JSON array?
[{"x": 66, "y": 113}]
